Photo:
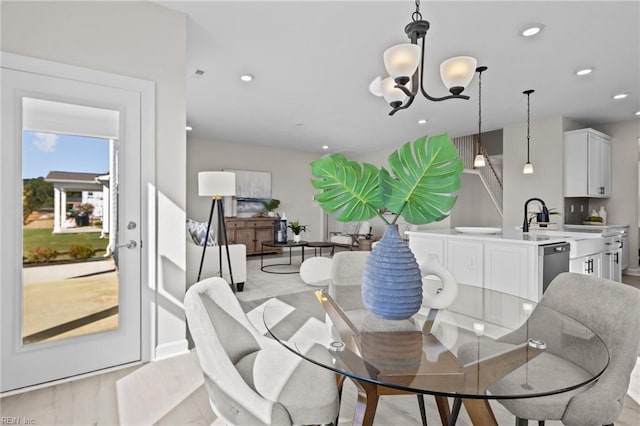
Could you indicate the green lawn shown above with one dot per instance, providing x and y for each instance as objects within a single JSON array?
[{"x": 33, "y": 238}]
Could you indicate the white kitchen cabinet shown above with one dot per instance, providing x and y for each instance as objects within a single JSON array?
[
  {"x": 587, "y": 164},
  {"x": 464, "y": 261},
  {"x": 588, "y": 265},
  {"x": 611, "y": 268},
  {"x": 624, "y": 256},
  {"x": 509, "y": 269}
]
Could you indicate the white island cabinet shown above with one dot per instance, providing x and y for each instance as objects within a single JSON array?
[{"x": 507, "y": 262}]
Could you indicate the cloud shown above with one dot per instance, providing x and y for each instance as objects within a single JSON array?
[{"x": 45, "y": 141}]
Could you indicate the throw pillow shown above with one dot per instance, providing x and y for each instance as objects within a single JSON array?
[{"x": 198, "y": 231}]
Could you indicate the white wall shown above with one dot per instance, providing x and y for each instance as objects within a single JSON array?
[
  {"x": 547, "y": 147},
  {"x": 474, "y": 206},
  {"x": 622, "y": 206},
  {"x": 290, "y": 178},
  {"x": 136, "y": 39}
]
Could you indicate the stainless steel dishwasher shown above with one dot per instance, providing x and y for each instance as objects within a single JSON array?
[{"x": 554, "y": 259}]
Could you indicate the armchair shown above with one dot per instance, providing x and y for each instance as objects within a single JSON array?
[{"x": 350, "y": 234}]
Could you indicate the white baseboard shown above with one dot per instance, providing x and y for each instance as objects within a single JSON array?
[
  {"x": 634, "y": 384},
  {"x": 171, "y": 349},
  {"x": 632, "y": 271}
]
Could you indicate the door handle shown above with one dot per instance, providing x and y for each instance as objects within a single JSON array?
[{"x": 130, "y": 245}]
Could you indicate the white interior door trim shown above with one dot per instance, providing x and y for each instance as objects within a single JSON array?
[{"x": 149, "y": 208}]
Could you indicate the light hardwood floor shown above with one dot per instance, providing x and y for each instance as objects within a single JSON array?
[{"x": 170, "y": 392}]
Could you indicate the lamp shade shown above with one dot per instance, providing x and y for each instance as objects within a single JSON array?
[
  {"x": 402, "y": 60},
  {"x": 478, "y": 161},
  {"x": 527, "y": 169},
  {"x": 390, "y": 92},
  {"x": 216, "y": 184},
  {"x": 458, "y": 71}
]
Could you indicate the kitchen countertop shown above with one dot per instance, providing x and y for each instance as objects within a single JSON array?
[
  {"x": 602, "y": 229},
  {"x": 537, "y": 237}
]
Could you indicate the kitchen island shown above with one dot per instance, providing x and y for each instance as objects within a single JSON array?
[{"x": 509, "y": 261}]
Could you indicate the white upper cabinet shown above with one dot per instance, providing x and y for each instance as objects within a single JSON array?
[{"x": 587, "y": 164}]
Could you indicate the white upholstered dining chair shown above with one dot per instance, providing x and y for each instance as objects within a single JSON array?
[
  {"x": 252, "y": 379},
  {"x": 612, "y": 311}
]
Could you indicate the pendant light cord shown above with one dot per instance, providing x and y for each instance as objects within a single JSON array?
[
  {"x": 479, "y": 112},
  {"x": 528, "y": 123}
]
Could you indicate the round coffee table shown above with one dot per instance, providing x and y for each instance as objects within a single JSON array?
[
  {"x": 319, "y": 245},
  {"x": 290, "y": 244}
]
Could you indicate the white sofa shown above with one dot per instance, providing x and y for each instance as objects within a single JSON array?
[{"x": 210, "y": 268}]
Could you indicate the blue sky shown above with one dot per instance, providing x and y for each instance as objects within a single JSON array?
[{"x": 44, "y": 152}]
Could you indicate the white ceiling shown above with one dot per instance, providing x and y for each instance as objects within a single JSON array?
[{"x": 313, "y": 62}]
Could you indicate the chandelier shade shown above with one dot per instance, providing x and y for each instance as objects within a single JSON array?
[
  {"x": 390, "y": 93},
  {"x": 402, "y": 60},
  {"x": 457, "y": 73}
]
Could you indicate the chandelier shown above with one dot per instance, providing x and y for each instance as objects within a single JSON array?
[{"x": 406, "y": 77}]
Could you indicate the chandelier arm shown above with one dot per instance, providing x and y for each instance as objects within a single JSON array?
[
  {"x": 404, "y": 89},
  {"x": 424, "y": 92},
  {"x": 405, "y": 106}
]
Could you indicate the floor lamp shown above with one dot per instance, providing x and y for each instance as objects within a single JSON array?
[{"x": 217, "y": 185}]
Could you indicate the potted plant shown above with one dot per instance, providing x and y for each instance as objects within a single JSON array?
[
  {"x": 420, "y": 186},
  {"x": 297, "y": 229},
  {"x": 82, "y": 213},
  {"x": 271, "y": 205}
]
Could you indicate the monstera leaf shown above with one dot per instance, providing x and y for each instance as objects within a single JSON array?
[
  {"x": 424, "y": 180},
  {"x": 421, "y": 185},
  {"x": 348, "y": 187}
]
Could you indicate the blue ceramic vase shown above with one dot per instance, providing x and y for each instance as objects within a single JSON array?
[{"x": 392, "y": 283}]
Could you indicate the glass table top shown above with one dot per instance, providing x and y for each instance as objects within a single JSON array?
[{"x": 487, "y": 345}]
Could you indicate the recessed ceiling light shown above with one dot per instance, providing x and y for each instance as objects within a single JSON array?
[
  {"x": 188, "y": 128},
  {"x": 325, "y": 147},
  {"x": 620, "y": 96},
  {"x": 637, "y": 112},
  {"x": 246, "y": 77},
  {"x": 422, "y": 121},
  {"x": 584, "y": 71},
  {"x": 531, "y": 30}
]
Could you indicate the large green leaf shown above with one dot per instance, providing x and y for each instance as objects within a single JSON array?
[
  {"x": 423, "y": 182},
  {"x": 347, "y": 187}
]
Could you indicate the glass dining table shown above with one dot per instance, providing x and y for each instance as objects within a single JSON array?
[{"x": 486, "y": 346}]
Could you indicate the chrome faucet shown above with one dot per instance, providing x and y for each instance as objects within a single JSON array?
[{"x": 545, "y": 212}]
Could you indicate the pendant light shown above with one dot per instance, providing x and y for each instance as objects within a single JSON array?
[
  {"x": 478, "y": 161},
  {"x": 528, "y": 167}
]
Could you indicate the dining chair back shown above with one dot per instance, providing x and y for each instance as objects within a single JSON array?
[
  {"x": 612, "y": 311},
  {"x": 250, "y": 378}
]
